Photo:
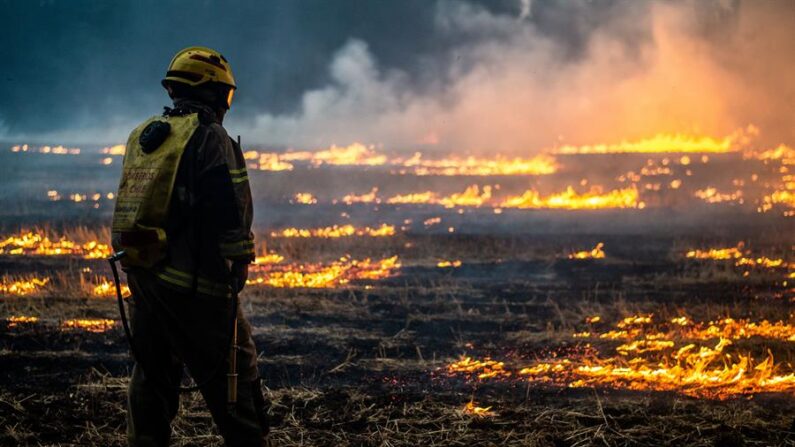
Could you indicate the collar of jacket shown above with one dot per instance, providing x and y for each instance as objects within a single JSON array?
[{"x": 206, "y": 113}]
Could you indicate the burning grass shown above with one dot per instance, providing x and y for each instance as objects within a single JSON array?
[
  {"x": 669, "y": 143},
  {"x": 571, "y": 200},
  {"x": 104, "y": 288},
  {"x": 596, "y": 253},
  {"x": 662, "y": 357},
  {"x": 95, "y": 325},
  {"x": 21, "y": 286},
  {"x": 477, "y": 196},
  {"x": 41, "y": 243},
  {"x": 20, "y": 320},
  {"x": 449, "y": 264},
  {"x": 365, "y": 156},
  {"x": 320, "y": 275},
  {"x": 336, "y": 231},
  {"x": 740, "y": 257}
]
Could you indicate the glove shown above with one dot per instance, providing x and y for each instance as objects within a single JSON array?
[{"x": 239, "y": 275}]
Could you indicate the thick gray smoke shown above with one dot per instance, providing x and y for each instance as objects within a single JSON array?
[
  {"x": 510, "y": 76},
  {"x": 694, "y": 69}
]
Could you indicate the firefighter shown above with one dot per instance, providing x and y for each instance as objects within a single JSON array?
[{"x": 183, "y": 218}]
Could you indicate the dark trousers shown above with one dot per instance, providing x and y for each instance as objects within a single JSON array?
[{"x": 171, "y": 330}]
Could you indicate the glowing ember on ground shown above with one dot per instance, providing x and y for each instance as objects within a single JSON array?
[
  {"x": 89, "y": 324},
  {"x": 22, "y": 286},
  {"x": 480, "y": 369},
  {"x": 763, "y": 261},
  {"x": 711, "y": 195},
  {"x": 304, "y": 198},
  {"x": 37, "y": 244},
  {"x": 661, "y": 356},
  {"x": 471, "y": 409},
  {"x": 370, "y": 197},
  {"x": 432, "y": 221},
  {"x": 596, "y": 253},
  {"x": 741, "y": 258},
  {"x": 19, "y": 320},
  {"x": 336, "y": 231},
  {"x": 785, "y": 198},
  {"x": 320, "y": 275},
  {"x": 57, "y": 150},
  {"x": 716, "y": 253},
  {"x": 782, "y": 152},
  {"x": 570, "y": 199},
  {"x": 448, "y": 264}
]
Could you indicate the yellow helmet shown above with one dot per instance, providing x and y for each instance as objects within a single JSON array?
[{"x": 198, "y": 65}]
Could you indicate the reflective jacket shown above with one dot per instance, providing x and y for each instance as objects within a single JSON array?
[{"x": 210, "y": 214}]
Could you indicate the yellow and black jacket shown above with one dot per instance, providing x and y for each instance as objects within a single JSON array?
[{"x": 207, "y": 220}]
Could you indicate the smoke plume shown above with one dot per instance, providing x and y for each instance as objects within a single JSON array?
[{"x": 646, "y": 68}]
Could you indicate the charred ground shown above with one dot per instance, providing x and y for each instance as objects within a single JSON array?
[{"x": 366, "y": 364}]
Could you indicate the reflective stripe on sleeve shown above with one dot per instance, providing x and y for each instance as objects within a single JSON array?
[
  {"x": 185, "y": 280},
  {"x": 240, "y": 248}
]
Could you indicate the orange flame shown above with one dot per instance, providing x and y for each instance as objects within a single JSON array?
[
  {"x": 716, "y": 253},
  {"x": 667, "y": 143},
  {"x": 89, "y": 325},
  {"x": 661, "y": 356},
  {"x": 22, "y": 286},
  {"x": 358, "y": 154},
  {"x": 336, "y": 231},
  {"x": 107, "y": 289},
  {"x": 596, "y": 253},
  {"x": 20, "y": 320},
  {"x": 304, "y": 198},
  {"x": 319, "y": 275},
  {"x": 36, "y": 244},
  {"x": 569, "y": 199},
  {"x": 471, "y": 409},
  {"x": 448, "y": 264}
]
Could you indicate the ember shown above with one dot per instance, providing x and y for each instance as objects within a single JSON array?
[
  {"x": 304, "y": 198},
  {"x": 596, "y": 253},
  {"x": 716, "y": 253},
  {"x": 20, "y": 320},
  {"x": 448, "y": 264},
  {"x": 471, "y": 409},
  {"x": 89, "y": 325}
]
